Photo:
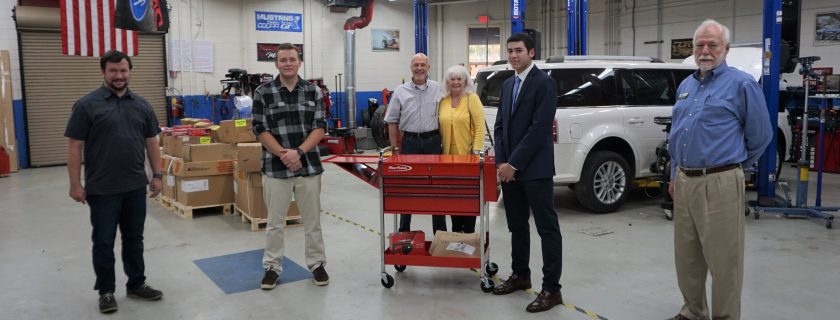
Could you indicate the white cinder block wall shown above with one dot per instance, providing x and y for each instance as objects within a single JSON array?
[
  {"x": 231, "y": 27},
  {"x": 9, "y": 41}
]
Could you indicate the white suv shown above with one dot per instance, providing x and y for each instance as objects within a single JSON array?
[{"x": 604, "y": 133}]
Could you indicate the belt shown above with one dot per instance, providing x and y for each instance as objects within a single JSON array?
[
  {"x": 421, "y": 135},
  {"x": 701, "y": 172}
]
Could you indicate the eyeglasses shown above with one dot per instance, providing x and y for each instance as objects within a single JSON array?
[{"x": 710, "y": 46}]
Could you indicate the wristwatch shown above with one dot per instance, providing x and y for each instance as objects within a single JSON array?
[
  {"x": 157, "y": 175},
  {"x": 299, "y": 151}
]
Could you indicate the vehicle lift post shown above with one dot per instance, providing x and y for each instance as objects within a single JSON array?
[
  {"x": 767, "y": 200},
  {"x": 517, "y": 13},
  {"x": 421, "y": 26},
  {"x": 576, "y": 24}
]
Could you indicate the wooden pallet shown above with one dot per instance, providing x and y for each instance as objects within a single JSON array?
[
  {"x": 165, "y": 201},
  {"x": 258, "y": 224},
  {"x": 187, "y": 211}
]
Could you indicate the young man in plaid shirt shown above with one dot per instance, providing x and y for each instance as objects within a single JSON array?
[{"x": 289, "y": 122}]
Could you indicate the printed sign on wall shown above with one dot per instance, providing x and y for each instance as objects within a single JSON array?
[
  {"x": 385, "y": 40},
  {"x": 681, "y": 48},
  {"x": 279, "y": 21},
  {"x": 268, "y": 51},
  {"x": 827, "y": 28}
]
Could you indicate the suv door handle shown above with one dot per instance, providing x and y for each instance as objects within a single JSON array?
[{"x": 635, "y": 121}]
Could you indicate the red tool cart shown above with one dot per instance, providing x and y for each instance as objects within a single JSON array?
[{"x": 430, "y": 185}]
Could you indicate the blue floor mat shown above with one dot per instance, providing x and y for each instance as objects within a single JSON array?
[{"x": 243, "y": 271}]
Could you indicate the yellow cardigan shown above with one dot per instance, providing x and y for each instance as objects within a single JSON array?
[{"x": 463, "y": 125}]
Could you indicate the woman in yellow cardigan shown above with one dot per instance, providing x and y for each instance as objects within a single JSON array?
[{"x": 461, "y": 117}]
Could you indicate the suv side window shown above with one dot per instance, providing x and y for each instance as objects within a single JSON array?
[
  {"x": 585, "y": 87},
  {"x": 680, "y": 75},
  {"x": 653, "y": 87},
  {"x": 489, "y": 86}
]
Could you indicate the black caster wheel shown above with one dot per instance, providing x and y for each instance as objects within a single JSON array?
[
  {"x": 388, "y": 282},
  {"x": 757, "y": 214},
  {"x": 828, "y": 224},
  {"x": 487, "y": 287},
  {"x": 400, "y": 268},
  {"x": 491, "y": 268}
]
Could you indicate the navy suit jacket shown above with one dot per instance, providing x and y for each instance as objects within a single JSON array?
[{"x": 523, "y": 137}]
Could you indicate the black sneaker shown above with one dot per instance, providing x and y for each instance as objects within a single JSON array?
[
  {"x": 320, "y": 276},
  {"x": 269, "y": 280},
  {"x": 107, "y": 303},
  {"x": 145, "y": 292}
]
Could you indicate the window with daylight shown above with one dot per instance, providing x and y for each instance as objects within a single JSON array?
[{"x": 484, "y": 47}]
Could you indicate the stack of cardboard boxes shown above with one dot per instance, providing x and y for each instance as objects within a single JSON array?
[
  {"x": 215, "y": 165},
  {"x": 248, "y": 186},
  {"x": 198, "y": 166}
]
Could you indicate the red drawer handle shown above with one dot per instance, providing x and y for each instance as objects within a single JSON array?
[
  {"x": 430, "y": 186},
  {"x": 424, "y": 195}
]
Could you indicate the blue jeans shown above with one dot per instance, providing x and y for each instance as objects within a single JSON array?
[
  {"x": 128, "y": 211},
  {"x": 415, "y": 145}
]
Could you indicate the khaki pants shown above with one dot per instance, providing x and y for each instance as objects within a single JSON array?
[
  {"x": 278, "y": 196},
  {"x": 709, "y": 238}
]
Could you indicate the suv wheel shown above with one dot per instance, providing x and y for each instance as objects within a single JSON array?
[{"x": 604, "y": 182}]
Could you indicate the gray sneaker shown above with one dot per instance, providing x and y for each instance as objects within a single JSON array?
[
  {"x": 320, "y": 276},
  {"x": 145, "y": 292},
  {"x": 107, "y": 303},
  {"x": 269, "y": 280}
]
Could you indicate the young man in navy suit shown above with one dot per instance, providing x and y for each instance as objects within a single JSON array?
[{"x": 525, "y": 162}]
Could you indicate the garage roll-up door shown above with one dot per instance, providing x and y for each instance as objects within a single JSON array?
[{"x": 52, "y": 82}]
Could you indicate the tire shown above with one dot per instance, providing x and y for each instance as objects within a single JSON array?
[
  {"x": 379, "y": 128},
  {"x": 365, "y": 119},
  {"x": 604, "y": 182},
  {"x": 780, "y": 158}
]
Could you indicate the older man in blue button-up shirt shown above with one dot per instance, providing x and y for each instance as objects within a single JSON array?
[{"x": 721, "y": 125}]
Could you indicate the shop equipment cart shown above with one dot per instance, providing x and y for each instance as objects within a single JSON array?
[{"x": 431, "y": 185}]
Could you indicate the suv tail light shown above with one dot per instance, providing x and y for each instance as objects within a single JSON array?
[{"x": 554, "y": 131}]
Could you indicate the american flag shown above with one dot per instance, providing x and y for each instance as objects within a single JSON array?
[{"x": 87, "y": 29}]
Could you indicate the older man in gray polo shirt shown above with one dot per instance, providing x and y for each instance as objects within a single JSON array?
[{"x": 413, "y": 111}]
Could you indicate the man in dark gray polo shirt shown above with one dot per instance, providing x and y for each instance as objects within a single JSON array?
[{"x": 116, "y": 129}]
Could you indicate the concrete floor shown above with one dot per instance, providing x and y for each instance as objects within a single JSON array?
[{"x": 45, "y": 272}]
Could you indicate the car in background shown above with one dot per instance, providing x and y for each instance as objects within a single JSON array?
[{"x": 604, "y": 134}]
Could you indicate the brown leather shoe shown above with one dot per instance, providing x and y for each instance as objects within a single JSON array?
[
  {"x": 545, "y": 301},
  {"x": 679, "y": 317},
  {"x": 512, "y": 284}
]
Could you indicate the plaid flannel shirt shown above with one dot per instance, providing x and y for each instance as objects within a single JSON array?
[{"x": 289, "y": 117}]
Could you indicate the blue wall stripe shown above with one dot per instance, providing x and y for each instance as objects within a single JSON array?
[{"x": 20, "y": 134}]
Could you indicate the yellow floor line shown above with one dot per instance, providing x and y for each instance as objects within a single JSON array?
[{"x": 496, "y": 279}]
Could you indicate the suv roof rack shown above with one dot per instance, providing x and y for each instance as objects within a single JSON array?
[
  {"x": 557, "y": 59},
  {"x": 499, "y": 62}
]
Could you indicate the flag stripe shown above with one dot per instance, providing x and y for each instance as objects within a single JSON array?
[
  {"x": 109, "y": 29},
  {"x": 64, "y": 19},
  {"x": 76, "y": 29},
  {"x": 87, "y": 30},
  {"x": 102, "y": 31},
  {"x": 94, "y": 27}
]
